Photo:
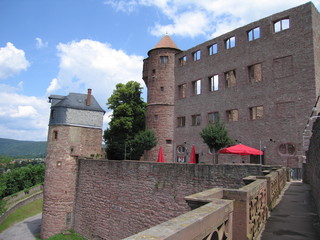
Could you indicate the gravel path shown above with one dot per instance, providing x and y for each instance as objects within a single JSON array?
[{"x": 23, "y": 230}]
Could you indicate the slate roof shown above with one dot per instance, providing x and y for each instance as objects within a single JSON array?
[{"x": 75, "y": 101}]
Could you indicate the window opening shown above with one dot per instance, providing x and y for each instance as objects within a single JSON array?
[
  {"x": 232, "y": 115},
  {"x": 254, "y": 34},
  {"x": 213, "y": 117},
  {"x": 55, "y": 135},
  {"x": 214, "y": 83},
  {"x": 213, "y": 49},
  {"x": 183, "y": 60},
  {"x": 230, "y": 77},
  {"x": 163, "y": 59},
  {"x": 196, "y": 87},
  {"x": 196, "y": 120},
  {"x": 182, "y": 90},
  {"x": 256, "y": 112},
  {"x": 230, "y": 42},
  {"x": 287, "y": 149},
  {"x": 281, "y": 25},
  {"x": 181, "y": 121},
  {"x": 197, "y": 55},
  {"x": 255, "y": 73}
]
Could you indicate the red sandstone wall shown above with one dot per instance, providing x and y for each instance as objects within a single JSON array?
[
  {"x": 61, "y": 173},
  {"x": 116, "y": 199}
]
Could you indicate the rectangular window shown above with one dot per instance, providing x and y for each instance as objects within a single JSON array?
[
  {"x": 183, "y": 60},
  {"x": 254, "y": 34},
  {"x": 163, "y": 59},
  {"x": 182, "y": 90},
  {"x": 213, "y": 117},
  {"x": 214, "y": 83},
  {"x": 256, "y": 112},
  {"x": 196, "y": 55},
  {"x": 230, "y": 42},
  {"x": 255, "y": 73},
  {"x": 281, "y": 25},
  {"x": 213, "y": 49},
  {"x": 181, "y": 121},
  {"x": 196, "y": 120},
  {"x": 230, "y": 77},
  {"x": 55, "y": 135},
  {"x": 156, "y": 117},
  {"x": 232, "y": 115},
  {"x": 196, "y": 87}
]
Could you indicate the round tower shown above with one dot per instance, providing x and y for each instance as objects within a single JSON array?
[
  {"x": 158, "y": 75},
  {"x": 75, "y": 130}
]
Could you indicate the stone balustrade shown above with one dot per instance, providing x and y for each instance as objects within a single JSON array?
[{"x": 220, "y": 213}]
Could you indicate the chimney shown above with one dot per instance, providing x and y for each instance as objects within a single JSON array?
[{"x": 89, "y": 97}]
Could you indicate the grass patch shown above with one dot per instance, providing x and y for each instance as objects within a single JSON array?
[
  {"x": 70, "y": 235},
  {"x": 22, "y": 213}
]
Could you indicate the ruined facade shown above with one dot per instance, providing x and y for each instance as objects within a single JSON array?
[{"x": 260, "y": 80}]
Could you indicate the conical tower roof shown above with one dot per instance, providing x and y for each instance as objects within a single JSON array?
[{"x": 166, "y": 42}]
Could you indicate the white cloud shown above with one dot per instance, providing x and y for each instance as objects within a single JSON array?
[
  {"x": 40, "y": 43},
  {"x": 12, "y": 61},
  {"x": 209, "y": 18},
  {"x": 92, "y": 64},
  {"x": 22, "y": 117},
  {"x": 54, "y": 86}
]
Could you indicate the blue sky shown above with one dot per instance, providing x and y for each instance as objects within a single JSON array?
[{"x": 61, "y": 46}]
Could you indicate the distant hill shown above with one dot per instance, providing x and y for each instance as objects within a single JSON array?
[{"x": 16, "y": 148}]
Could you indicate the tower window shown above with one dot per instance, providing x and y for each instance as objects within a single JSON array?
[
  {"x": 163, "y": 59},
  {"x": 281, "y": 25},
  {"x": 53, "y": 114},
  {"x": 55, "y": 135},
  {"x": 156, "y": 117},
  {"x": 161, "y": 89}
]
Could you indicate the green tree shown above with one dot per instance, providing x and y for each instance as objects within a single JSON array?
[
  {"x": 144, "y": 140},
  {"x": 216, "y": 137},
  {"x": 128, "y": 119}
]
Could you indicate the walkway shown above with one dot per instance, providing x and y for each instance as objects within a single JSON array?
[
  {"x": 24, "y": 230},
  {"x": 294, "y": 217}
]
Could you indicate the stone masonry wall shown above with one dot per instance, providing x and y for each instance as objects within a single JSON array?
[
  {"x": 116, "y": 199},
  {"x": 65, "y": 144},
  {"x": 312, "y": 167}
]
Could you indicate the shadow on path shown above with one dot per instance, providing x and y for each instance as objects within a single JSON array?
[{"x": 294, "y": 217}]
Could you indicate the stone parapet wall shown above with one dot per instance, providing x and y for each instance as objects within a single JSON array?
[
  {"x": 116, "y": 199},
  {"x": 220, "y": 213}
]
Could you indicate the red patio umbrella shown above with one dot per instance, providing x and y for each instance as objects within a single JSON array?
[
  {"x": 193, "y": 155},
  {"x": 160, "y": 155},
  {"x": 241, "y": 149}
]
